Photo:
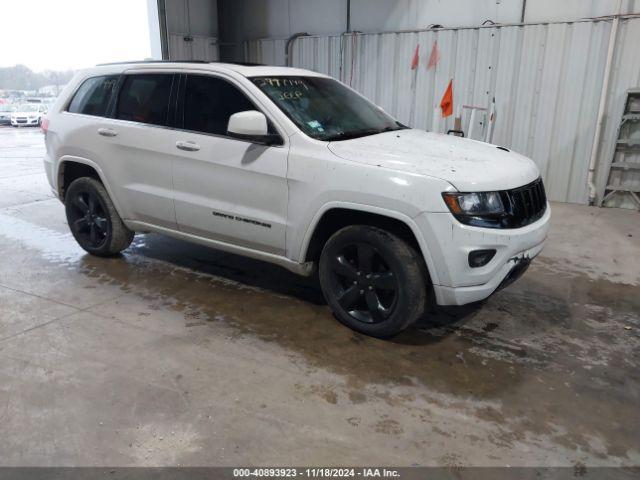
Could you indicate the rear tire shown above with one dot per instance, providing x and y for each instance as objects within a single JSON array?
[
  {"x": 373, "y": 281},
  {"x": 93, "y": 219}
]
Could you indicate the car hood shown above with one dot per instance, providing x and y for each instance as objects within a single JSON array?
[
  {"x": 24, "y": 114},
  {"x": 467, "y": 164}
]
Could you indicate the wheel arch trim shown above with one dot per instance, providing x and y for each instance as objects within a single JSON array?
[
  {"x": 357, "y": 207},
  {"x": 90, "y": 163}
]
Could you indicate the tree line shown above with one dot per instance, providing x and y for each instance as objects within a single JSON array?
[{"x": 20, "y": 77}]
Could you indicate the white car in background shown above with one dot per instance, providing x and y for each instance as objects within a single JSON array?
[
  {"x": 5, "y": 113},
  {"x": 294, "y": 168},
  {"x": 28, "y": 114}
]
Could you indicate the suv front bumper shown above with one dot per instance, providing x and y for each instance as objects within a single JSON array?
[{"x": 449, "y": 242}]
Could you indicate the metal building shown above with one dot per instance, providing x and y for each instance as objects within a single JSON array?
[{"x": 558, "y": 71}]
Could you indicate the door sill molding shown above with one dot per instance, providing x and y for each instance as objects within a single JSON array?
[{"x": 304, "y": 269}]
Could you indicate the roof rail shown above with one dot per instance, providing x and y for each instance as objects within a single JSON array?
[
  {"x": 245, "y": 64},
  {"x": 129, "y": 62},
  {"x": 134, "y": 62}
]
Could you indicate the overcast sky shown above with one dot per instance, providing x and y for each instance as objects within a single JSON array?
[{"x": 71, "y": 34}]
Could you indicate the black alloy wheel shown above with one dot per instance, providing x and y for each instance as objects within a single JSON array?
[
  {"x": 373, "y": 280},
  {"x": 93, "y": 219},
  {"x": 363, "y": 284},
  {"x": 88, "y": 219}
]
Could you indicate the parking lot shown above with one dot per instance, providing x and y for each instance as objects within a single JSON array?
[{"x": 176, "y": 354}]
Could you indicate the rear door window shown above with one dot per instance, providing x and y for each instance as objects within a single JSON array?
[
  {"x": 94, "y": 95},
  {"x": 144, "y": 98},
  {"x": 209, "y": 102}
]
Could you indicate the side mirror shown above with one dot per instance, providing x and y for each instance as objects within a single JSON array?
[{"x": 251, "y": 126}]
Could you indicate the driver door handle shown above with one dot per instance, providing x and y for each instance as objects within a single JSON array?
[
  {"x": 107, "y": 132},
  {"x": 188, "y": 146}
]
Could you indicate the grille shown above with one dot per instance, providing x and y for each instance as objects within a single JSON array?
[{"x": 524, "y": 205}]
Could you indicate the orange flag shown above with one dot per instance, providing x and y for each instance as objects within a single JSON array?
[
  {"x": 446, "y": 104},
  {"x": 415, "y": 61},
  {"x": 434, "y": 57}
]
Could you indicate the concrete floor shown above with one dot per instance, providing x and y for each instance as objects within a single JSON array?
[{"x": 178, "y": 355}]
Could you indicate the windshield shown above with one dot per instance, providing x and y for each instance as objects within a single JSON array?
[
  {"x": 325, "y": 109},
  {"x": 27, "y": 107}
]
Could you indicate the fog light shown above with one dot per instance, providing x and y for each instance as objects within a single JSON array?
[{"x": 479, "y": 258}]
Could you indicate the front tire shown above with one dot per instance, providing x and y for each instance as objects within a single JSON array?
[
  {"x": 93, "y": 219},
  {"x": 373, "y": 281}
]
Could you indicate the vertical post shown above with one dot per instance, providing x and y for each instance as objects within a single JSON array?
[
  {"x": 162, "y": 29},
  {"x": 472, "y": 123},
  {"x": 435, "y": 127},
  {"x": 602, "y": 105}
]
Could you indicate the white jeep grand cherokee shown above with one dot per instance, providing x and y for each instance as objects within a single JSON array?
[{"x": 292, "y": 167}]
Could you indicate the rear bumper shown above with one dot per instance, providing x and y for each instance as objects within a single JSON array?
[
  {"x": 455, "y": 282},
  {"x": 49, "y": 170}
]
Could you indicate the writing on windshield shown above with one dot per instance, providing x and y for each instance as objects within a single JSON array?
[{"x": 325, "y": 109}]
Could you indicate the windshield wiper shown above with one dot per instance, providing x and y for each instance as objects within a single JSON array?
[{"x": 360, "y": 133}]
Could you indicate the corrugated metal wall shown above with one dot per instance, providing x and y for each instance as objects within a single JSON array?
[
  {"x": 267, "y": 51},
  {"x": 546, "y": 80}
]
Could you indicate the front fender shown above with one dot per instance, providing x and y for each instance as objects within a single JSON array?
[{"x": 406, "y": 219}]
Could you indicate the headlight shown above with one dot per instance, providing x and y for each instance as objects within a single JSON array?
[{"x": 480, "y": 204}]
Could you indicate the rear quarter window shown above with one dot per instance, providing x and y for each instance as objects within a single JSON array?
[{"x": 94, "y": 95}]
